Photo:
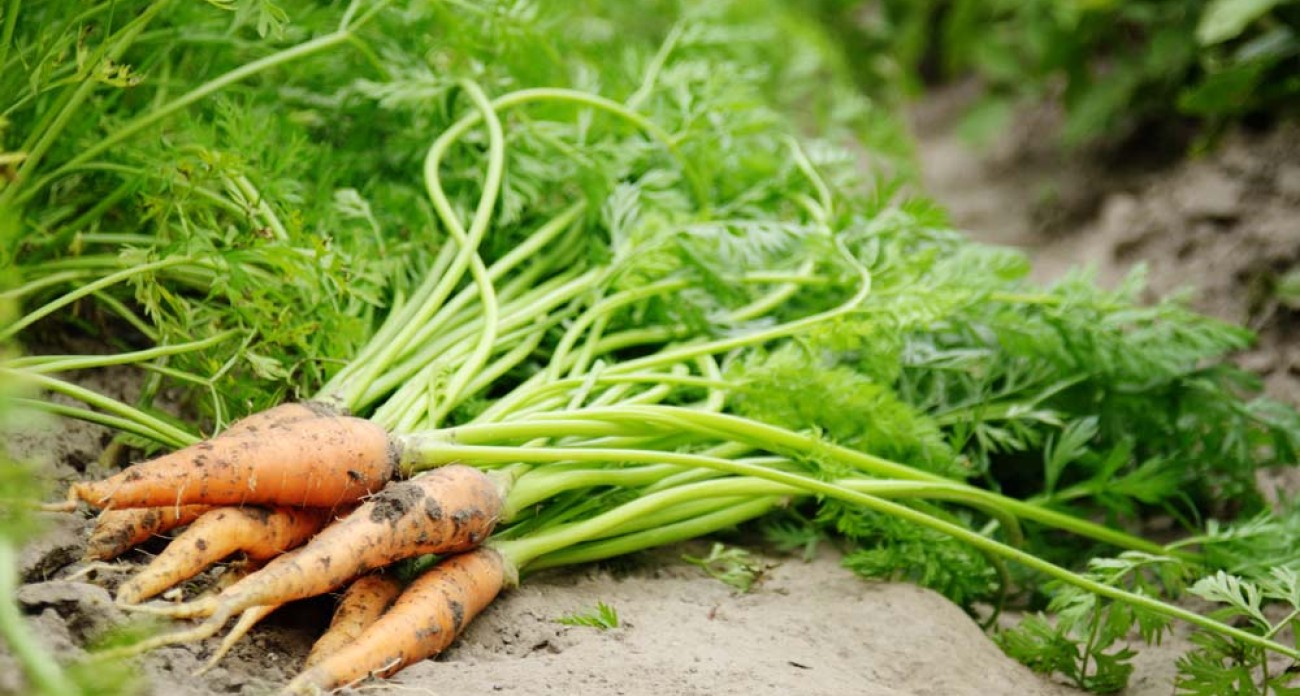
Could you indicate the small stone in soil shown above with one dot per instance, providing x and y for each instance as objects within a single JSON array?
[
  {"x": 1208, "y": 193},
  {"x": 1288, "y": 181},
  {"x": 87, "y": 610}
]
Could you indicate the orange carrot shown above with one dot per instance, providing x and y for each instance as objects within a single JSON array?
[
  {"x": 448, "y": 510},
  {"x": 260, "y": 533},
  {"x": 116, "y": 531},
  {"x": 320, "y": 462},
  {"x": 280, "y": 415},
  {"x": 361, "y": 605},
  {"x": 424, "y": 621}
]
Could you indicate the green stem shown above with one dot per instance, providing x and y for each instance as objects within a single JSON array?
[
  {"x": 115, "y": 305},
  {"x": 660, "y": 535},
  {"x": 243, "y": 72},
  {"x": 469, "y": 242},
  {"x": 162, "y": 431},
  {"x": 45, "y": 364},
  {"x": 7, "y": 34},
  {"x": 789, "y": 442},
  {"x": 45, "y": 282},
  {"x": 127, "y": 425},
  {"x": 85, "y": 290},
  {"x": 450, "y": 345},
  {"x": 656, "y": 66},
  {"x": 112, "y": 50},
  {"x": 602, "y": 308},
  {"x": 540, "y": 484},
  {"x": 42, "y": 671},
  {"x": 427, "y": 306},
  {"x": 523, "y": 550}
]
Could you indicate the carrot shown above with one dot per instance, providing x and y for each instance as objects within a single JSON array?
[
  {"x": 280, "y": 415},
  {"x": 320, "y": 462},
  {"x": 424, "y": 621},
  {"x": 260, "y": 533},
  {"x": 361, "y": 605},
  {"x": 116, "y": 531},
  {"x": 448, "y": 510}
]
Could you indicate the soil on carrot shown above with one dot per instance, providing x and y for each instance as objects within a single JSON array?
[{"x": 1222, "y": 222}]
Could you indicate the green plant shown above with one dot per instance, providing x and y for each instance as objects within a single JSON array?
[
  {"x": 732, "y": 565},
  {"x": 607, "y": 267},
  {"x": 1115, "y": 66},
  {"x": 604, "y": 617}
]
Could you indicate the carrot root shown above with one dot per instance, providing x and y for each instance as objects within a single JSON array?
[
  {"x": 196, "y": 609},
  {"x": 449, "y": 510},
  {"x": 324, "y": 461},
  {"x": 362, "y": 604},
  {"x": 247, "y": 621},
  {"x": 259, "y": 532},
  {"x": 205, "y": 630},
  {"x": 423, "y": 622},
  {"x": 280, "y": 415},
  {"x": 117, "y": 531}
]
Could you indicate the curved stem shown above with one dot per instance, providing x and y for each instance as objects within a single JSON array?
[
  {"x": 7, "y": 34},
  {"x": 526, "y": 549},
  {"x": 45, "y": 364},
  {"x": 789, "y": 442},
  {"x": 160, "y": 430},
  {"x": 469, "y": 243},
  {"x": 67, "y": 299},
  {"x": 126, "y": 425},
  {"x": 243, "y": 72}
]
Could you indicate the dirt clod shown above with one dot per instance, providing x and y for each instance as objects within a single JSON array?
[
  {"x": 61, "y": 542},
  {"x": 86, "y": 610}
]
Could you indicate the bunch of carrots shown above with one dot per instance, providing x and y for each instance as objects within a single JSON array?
[
  {"x": 590, "y": 457},
  {"x": 527, "y": 411},
  {"x": 286, "y": 487}
]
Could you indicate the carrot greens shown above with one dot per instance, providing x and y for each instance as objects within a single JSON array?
[{"x": 621, "y": 259}]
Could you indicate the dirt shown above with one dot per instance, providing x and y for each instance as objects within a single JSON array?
[
  {"x": 1224, "y": 223},
  {"x": 1222, "y": 226}
]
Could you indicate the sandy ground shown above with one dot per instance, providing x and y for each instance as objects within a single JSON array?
[{"x": 1226, "y": 221}]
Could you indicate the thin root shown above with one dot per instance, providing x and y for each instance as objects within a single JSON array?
[
  {"x": 197, "y": 609},
  {"x": 92, "y": 566},
  {"x": 389, "y": 665},
  {"x": 247, "y": 621},
  {"x": 207, "y": 629}
]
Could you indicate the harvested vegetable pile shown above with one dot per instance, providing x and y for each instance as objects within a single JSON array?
[{"x": 472, "y": 291}]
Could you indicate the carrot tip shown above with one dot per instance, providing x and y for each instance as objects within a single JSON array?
[
  {"x": 65, "y": 506},
  {"x": 204, "y": 630},
  {"x": 91, "y": 565},
  {"x": 189, "y": 610}
]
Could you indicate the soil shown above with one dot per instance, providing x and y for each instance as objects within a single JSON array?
[
  {"x": 1224, "y": 222},
  {"x": 1222, "y": 226}
]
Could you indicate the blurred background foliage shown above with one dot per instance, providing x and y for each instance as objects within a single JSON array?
[{"x": 1117, "y": 67}]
